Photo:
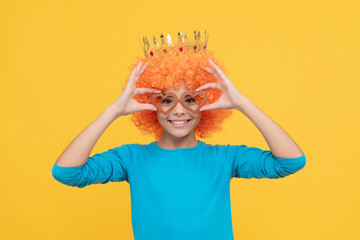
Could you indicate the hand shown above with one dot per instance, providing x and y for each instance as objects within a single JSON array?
[
  {"x": 230, "y": 97},
  {"x": 126, "y": 104}
]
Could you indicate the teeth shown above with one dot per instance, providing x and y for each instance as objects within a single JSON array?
[{"x": 179, "y": 122}]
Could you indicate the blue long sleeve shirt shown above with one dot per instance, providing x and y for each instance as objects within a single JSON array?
[{"x": 182, "y": 193}]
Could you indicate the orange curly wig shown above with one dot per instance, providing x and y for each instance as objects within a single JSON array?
[{"x": 168, "y": 70}]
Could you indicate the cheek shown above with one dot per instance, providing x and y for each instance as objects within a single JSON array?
[
  {"x": 198, "y": 115},
  {"x": 197, "y": 118},
  {"x": 161, "y": 118}
]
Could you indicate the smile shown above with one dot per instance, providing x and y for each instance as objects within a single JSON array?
[{"x": 179, "y": 124}]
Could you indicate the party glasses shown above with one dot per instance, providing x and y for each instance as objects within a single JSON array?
[{"x": 192, "y": 101}]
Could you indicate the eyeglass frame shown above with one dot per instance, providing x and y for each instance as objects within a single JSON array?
[{"x": 176, "y": 100}]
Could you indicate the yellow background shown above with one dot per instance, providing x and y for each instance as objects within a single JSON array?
[{"x": 64, "y": 62}]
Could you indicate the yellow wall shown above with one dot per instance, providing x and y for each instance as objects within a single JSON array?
[{"x": 63, "y": 62}]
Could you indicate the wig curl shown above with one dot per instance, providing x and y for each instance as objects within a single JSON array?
[{"x": 168, "y": 70}]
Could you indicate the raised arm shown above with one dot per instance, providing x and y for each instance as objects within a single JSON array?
[
  {"x": 71, "y": 167},
  {"x": 280, "y": 143},
  {"x": 77, "y": 153}
]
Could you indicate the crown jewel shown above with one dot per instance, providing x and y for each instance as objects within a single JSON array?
[{"x": 183, "y": 45}]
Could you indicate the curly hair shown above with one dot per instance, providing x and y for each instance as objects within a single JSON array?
[{"x": 168, "y": 70}]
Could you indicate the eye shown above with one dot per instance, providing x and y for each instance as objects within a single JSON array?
[
  {"x": 190, "y": 100},
  {"x": 166, "y": 101}
]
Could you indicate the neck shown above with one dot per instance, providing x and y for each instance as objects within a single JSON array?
[{"x": 171, "y": 142}]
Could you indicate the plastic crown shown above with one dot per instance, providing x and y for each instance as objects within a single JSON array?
[{"x": 182, "y": 46}]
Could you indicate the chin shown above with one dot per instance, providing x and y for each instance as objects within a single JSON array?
[{"x": 179, "y": 135}]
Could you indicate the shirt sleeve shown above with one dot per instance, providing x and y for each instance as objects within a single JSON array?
[
  {"x": 252, "y": 162},
  {"x": 104, "y": 167}
]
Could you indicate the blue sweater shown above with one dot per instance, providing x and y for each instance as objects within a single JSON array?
[{"x": 182, "y": 193}]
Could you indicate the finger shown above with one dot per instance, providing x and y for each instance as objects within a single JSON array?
[
  {"x": 213, "y": 72},
  {"x": 215, "y": 66},
  {"x": 208, "y": 85},
  {"x": 144, "y": 91},
  {"x": 138, "y": 68},
  {"x": 219, "y": 73},
  {"x": 218, "y": 70},
  {"x": 209, "y": 70},
  {"x": 143, "y": 68},
  {"x": 211, "y": 106},
  {"x": 136, "y": 78},
  {"x": 132, "y": 77},
  {"x": 129, "y": 84},
  {"x": 139, "y": 65},
  {"x": 147, "y": 106},
  {"x": 133, "y": 72}
]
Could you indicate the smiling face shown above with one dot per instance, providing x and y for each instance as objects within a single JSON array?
[{"x": 179, "y": 122}]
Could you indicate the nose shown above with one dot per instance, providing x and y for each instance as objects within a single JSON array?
[{"x": 179, "y": 109}]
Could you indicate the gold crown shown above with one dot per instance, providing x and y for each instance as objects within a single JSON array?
[{"x": 182, "y": 46}]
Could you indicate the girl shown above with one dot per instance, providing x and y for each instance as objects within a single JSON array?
[{"x": 180, "y": 186}]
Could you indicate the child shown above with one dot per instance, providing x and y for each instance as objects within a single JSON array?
[{"x": 180, "y": 186}]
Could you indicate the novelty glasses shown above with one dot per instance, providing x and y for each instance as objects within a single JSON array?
[{"x": 192, "y": 101}]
